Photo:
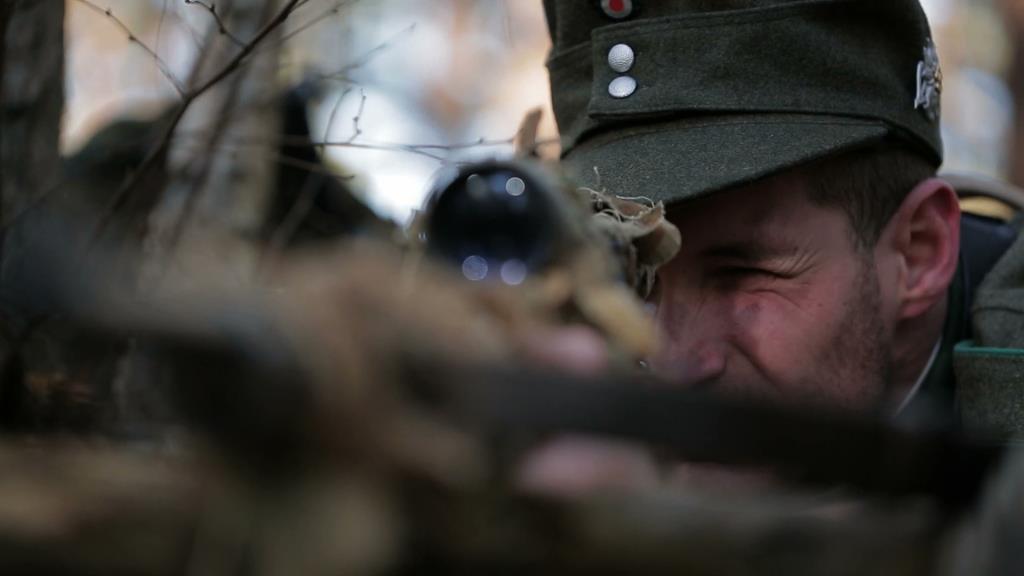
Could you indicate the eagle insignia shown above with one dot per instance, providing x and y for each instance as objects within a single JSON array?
[{"x": 929, "y": 83}]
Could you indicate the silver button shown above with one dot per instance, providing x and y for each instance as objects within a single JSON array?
[
  {"x": 620, "y": 58},
  {"x": 622, "y": 87}
]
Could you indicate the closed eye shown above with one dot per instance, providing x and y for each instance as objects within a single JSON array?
[{"x": 745, "y": 271}]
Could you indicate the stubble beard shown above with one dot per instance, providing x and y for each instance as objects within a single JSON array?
[{"x": 858, "y": 357}]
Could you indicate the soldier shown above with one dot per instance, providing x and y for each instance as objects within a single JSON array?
[{"x": 796, "y": 144}]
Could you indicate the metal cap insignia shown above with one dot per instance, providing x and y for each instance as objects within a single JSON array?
[{"x": 929, "y": 83}]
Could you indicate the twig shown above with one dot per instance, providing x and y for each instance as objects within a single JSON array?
[
  {"x": 474, "y": 144},
  {"x": 247, "y": 49},
  {"x": 334, "y": 115},
  {"x": 223, "y": 119},
  {"x": 160, "y": 26},
  {"x": 356, "y": 146},
  {"x": 311, "y": 167},
  {"x": 26, "y": 207},
  {"x": 193, "y": 34},
  {"x": 277, "y": 157},
  {"x": 204, "y": 43},
  {"x": 189, "y": 97},
  {"x": 356, "y": 130},
  {"x": 337, "y": 75},
  {"x": 164, "y": 68},
  {"x": 221, "y": 27},
  {"x": 425, "y": 150},
  {"x": 372, "y": 53},
  {"x": 507, "y": 26},
  {"x": 293, "y": 218},
  {"x": 332, "y": 11}
]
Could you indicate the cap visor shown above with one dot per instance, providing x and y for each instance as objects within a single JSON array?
[{"x": 688, "y": 158}]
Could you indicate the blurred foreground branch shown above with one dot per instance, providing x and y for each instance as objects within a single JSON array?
[{"x": 73, "y": 510}]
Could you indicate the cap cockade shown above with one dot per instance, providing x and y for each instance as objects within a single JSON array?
[{"x": 617, "y": 9}]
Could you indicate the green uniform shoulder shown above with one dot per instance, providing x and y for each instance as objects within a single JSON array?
[{"x": 990, "y": 368}]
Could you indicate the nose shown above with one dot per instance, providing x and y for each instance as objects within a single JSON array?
[
  {"x": 693, "y": 349},
  {"x": 701, "y": 365}
]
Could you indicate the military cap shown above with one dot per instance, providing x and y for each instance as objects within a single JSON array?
[{"x": 674, "y": 99}]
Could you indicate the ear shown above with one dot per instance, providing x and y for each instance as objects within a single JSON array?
[{"x": 925, "y": 234}]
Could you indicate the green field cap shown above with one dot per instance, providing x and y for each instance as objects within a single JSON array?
[{"x": 673, "y": 99}]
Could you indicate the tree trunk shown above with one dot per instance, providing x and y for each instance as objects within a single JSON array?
[
  {"x": 32, "y": 99},
  {"x": 6, "y": 7},
  {"x": 31, "y": 104}
]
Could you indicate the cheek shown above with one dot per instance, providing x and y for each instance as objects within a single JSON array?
[
  {"x": 890, "y": 277},
  {"x": 747, "y": 313},
  {"x": 779, "y": 334},
  {"x": 759, "y": 330}
]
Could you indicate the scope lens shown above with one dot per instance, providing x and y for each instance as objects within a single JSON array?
[{"x": 495, "y": 223}]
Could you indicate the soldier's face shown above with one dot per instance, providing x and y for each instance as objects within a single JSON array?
[{"x": 770, "y": 296}]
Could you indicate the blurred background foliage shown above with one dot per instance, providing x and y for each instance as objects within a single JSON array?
[
  {"x": 448, "y": 73},
  {"x": 453, "y": 72}
]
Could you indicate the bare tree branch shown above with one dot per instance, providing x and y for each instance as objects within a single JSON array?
[
  {"x": 189, "y": 97},
  {"x": 342, "y": 73},
  {"x": 311, "y": 167},
  {"x": 356, "y": 130},
  {"x": 332, "y": 11},
  {"x": 280, "y": 237},
  {"x": 193, "y": 33},
  {"x": 221, "y": 27},
  {"x": 431, "y": 151},
  {"x": 222, "y": 120},
  {"x": 249, "y": 47},
  {"x": 164, "y": 68},
  {"x": 334, "y": 115},
  {"x": 507, "y": 27},
  {"x": 386, "y": 147},
  {"x": 160, "y": 26}
]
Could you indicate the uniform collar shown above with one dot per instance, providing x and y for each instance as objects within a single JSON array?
[{"x": 935, "y": 398}]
